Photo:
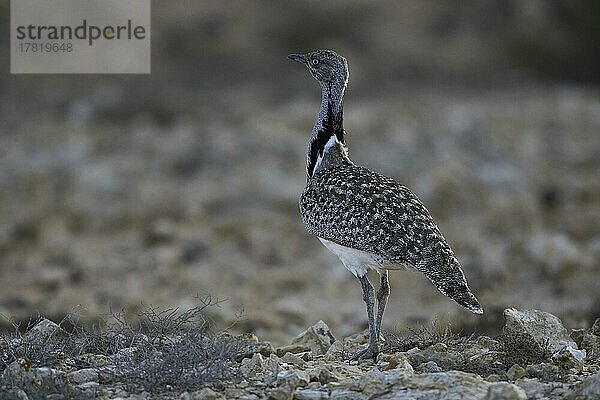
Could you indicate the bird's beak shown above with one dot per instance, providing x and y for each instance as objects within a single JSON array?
[{"x": 298, "y": 57}]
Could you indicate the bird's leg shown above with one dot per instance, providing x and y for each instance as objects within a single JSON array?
[
  {"x": 382, "y": 297},
  {"x": 369, "y": 298}
]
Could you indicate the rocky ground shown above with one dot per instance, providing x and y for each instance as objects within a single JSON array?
[{"x": 175, "y": 356}]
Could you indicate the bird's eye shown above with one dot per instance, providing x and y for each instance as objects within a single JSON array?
[{"x": 315, "y": 61}]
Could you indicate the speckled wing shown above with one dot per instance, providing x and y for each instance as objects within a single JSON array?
[{"x": 358, "y": 208}]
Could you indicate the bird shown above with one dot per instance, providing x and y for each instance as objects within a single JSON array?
[{"x": 365, "y": 218}]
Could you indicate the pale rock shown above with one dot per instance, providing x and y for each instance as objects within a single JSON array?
[
  {"x": 340, "y": 394},
  {"x": 291, "y": 348},
  {"x": 590, "y": 388},
  {"x": 505, "y": 391},
  {"x": 544, "y": 327},
  {"x": 84, "y": 375},
  {"x": 515, "y": 372},
  {"x": 401, "y": 386},
  {"x": 306, "y": 356},
  {"x": 251, "y": 366},
  {"x": 44, "y": 330},
  {"x": 311, "y": 394},
  {"x": 397, "y": 361},
  {"x": 569, "y": 358},
  {"x": 87, "y": 390},
  {"x": 292, "y": 379},
  {"x": 429, "y": 367},
  {"x": 235, "y": 393},
  {"x": 293, "y": 359},
  {"x": 335, "y": 351},
  {"x": 202, "y": 394},
  {"x": 543, "y": 371},
  {"x": 591, "y": 344},
  {"x": 318, "y": 338},
  {"x": 42, "y": 381},
  {"x": 323, "y": 374},
  {"x": 13, "y": 394}
]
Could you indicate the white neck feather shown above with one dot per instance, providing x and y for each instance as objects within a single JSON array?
[{"x": 333, "y": 140}]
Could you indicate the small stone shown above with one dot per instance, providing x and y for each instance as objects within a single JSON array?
[
  {"x": 87, "y": 389},
  {"x": 292, "y": 379},
  {"x": 383, "y": 365},
  {"x": 279, "y": 393},
  {"x": 577, "y": 335},
  {"x": 335, "y": 351},
  {"x": 204, "y": 394},
  {"x": 323, "y": 375},
  {"x": 310, "y": 394},
  {"x": 124, "y": 354},
  {"x": 440, "y": 347},
  {"x": 250, "y": 366},
  {"x": 43, "y": 380},
  {"x": 13, "y": 394},
  {"x": 306, "y": 356},
  {"x": 291, "y": 348},
  {"x": 399, "y": 361},
  {"x": 344, "y": 394},
  {"x": 590, "y": 388},
  {"x": 234, "y": 393},
  {"x": 272, "y": 364},
  {"x": 263, "y": 348},
  {"x": 569, "y": 358},
  {"x": 84, "y": 375},
  {"x": 591, "y": 344},
  {"x": 543, "y": 371},
  {"x": 505, "y": 391},
  {"x": 515, "y": 372},
  {"x": 493, "y": 378},
  {"x": 429, "y": 367},
  {"x": 318, "y": 338},
  {"x": 293, "y": 359},
  {"x": 266, "y": 349},
  {"x": 313, "y": 385},
  {"x": 43, "y": 330}
]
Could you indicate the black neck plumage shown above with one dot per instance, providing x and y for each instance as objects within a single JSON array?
[{"x": 329, "y": 124}]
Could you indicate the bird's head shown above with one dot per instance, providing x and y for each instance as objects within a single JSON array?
[{"x": 326, "y": 66}]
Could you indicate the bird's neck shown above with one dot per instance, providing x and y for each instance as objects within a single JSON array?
[
  {"x": 331, "y": 113},
  {"x": 329, "y": 129}
]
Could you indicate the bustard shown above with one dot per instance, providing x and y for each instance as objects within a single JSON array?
[{"x": 368, "y": 220}]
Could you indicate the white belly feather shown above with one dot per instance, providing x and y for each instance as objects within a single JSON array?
[{"x": 357, "y": 261}]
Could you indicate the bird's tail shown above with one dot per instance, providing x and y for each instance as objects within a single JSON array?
[
  {"x": 460, "y": 293},
  {"x": 444, "y": 271}
]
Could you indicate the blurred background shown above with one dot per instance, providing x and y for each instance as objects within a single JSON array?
[{"x": 131, "y": 190}]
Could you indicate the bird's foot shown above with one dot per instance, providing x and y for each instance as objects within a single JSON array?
[{"x": 369, "y": 352}]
